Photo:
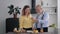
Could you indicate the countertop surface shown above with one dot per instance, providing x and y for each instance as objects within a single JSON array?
[
  {"x": 54, "y": 32},
  {"x": 34, "y": 33}
]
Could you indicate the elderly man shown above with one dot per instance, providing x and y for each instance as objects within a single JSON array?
[{"x": 42, "y": 19}]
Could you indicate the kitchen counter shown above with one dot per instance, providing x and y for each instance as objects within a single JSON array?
[{"x": 33, "y": 33}]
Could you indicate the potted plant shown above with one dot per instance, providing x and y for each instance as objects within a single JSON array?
[
  {"x": 53, "y": 27},
  {"x": 13, "y": 11}
]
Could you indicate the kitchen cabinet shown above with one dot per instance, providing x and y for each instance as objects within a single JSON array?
[{"x": 11, "y": 23}]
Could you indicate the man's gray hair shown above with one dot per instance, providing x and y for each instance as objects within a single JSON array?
[{"x": 38, "y": 6}]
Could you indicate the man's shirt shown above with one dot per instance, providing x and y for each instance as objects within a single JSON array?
[{"x": 41, "y": 20}]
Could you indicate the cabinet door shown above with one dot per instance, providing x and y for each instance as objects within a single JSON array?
[
  {"x": 49, "y": 3},
  {"x": 11, "y": 23}
]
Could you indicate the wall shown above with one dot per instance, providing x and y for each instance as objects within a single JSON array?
[
  {"x": 58, "y": 14},
  {"x": 4, "y": 11}
]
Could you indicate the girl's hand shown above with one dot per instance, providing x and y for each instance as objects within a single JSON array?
[
  {"x": 35, "y": 20},
  {"x": 15, "y": 30},
  {"x": 23, "y": 30}
]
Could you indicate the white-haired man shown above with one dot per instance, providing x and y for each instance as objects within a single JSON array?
[{"x": 42, "y": 19}]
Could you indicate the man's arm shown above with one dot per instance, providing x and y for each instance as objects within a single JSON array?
[{"x": 46, "y": 18}]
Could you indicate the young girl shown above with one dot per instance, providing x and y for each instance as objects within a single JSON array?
[{"x": 26, "y": 20}]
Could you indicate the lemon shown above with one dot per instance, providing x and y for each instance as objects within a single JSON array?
[{"x": 35, "y": 31}]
